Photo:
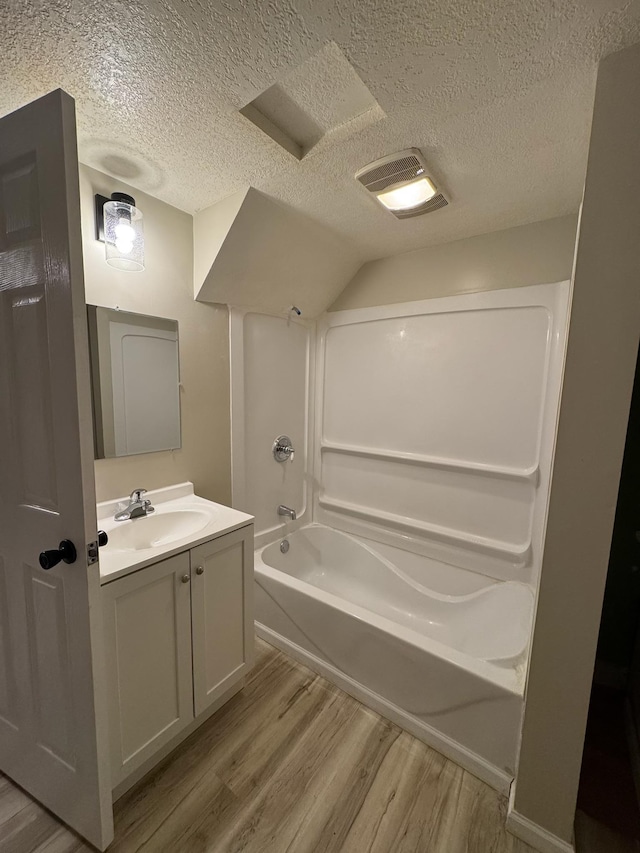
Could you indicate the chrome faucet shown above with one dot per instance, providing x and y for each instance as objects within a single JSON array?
[
  {"x": 282, "y": 449},
  {"x": 138, "y": 506},
  {"x": 286, "y": 510}
]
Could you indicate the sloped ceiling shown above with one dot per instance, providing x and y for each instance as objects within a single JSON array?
[
  {"x": 497, "y": 94},
  {"x": 253, "y": 252}
]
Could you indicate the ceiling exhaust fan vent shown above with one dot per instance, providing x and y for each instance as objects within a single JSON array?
[
  {"x": 380, "y": 177},
  {"x": 406, "y": 169}
]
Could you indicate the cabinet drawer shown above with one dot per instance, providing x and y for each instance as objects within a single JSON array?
[{"x": 147, "y": 623}]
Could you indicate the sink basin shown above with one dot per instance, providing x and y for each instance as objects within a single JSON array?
[
  {"x": 157, "y": 530},
  {"x": 181, "y": 521}
]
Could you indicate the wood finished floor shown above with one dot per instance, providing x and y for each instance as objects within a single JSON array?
[{"x": 290, "y": 765}]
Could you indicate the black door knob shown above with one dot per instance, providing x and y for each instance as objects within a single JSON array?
[
  {"x": 102, "y": 538},
  {"x": 66, "y": 551}
]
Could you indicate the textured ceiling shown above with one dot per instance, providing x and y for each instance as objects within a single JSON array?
[{"x": 496, "y": 93}]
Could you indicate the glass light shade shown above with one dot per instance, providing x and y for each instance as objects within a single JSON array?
[
  {"x": 123, "y": 236},
  {"x": 409, "y": 195}
]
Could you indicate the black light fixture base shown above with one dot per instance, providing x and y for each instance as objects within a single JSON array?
[
  {"x": 128, "y": 199},
  {"x": 99, "y": 201}
]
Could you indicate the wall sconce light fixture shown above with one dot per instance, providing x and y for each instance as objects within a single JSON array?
[{"x": 119, "y": 224}]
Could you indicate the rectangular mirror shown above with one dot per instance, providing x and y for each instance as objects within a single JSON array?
[{"x": 135, "y": 377}]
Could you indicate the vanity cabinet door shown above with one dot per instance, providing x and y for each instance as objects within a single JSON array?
[
  {"x": 222, "y": 614},
  {"x": 147, "y": 617}
]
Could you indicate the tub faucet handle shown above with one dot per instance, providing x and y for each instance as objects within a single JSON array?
[{"x": 282, "y": 449}]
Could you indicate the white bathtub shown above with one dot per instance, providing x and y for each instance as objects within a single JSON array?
[{"x": 443, "y": 656}]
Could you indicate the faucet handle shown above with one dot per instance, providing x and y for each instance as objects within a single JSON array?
[
  {"x": 136, "y": 494},
  {"x": 282, "y": 449}
]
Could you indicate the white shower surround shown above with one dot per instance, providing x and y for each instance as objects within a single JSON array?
[
  {"x": 438, "y": 508},
  {"x": 272, "y": 361},
  {"x": 435, "y": 424}
]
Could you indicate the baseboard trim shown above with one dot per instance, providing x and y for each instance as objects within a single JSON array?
[
  {"x": 465, "y": 758},
  {"x": 535, "y": 835}
]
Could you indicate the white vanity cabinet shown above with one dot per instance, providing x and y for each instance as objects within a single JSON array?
[{"x": 179, "y": 641}]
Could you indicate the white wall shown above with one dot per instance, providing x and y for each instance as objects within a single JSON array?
[
  {"x": 270, "y": 397},
  {"x": 165, "y": 289},
  {"x": 515, "y": 257},
  {"x": 601, "y": 358}
]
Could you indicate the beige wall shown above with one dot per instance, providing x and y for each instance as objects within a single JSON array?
[
  {"x": 211, "y": 227},
  {"x": 165, "y": 289},
  {"x": 530, "y": 254},
  {"x": 254, "y": 252},
  {"x": 601, "y": 356}
]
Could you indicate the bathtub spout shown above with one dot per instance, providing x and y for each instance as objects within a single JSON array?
[{"x": 286, "y": 510}]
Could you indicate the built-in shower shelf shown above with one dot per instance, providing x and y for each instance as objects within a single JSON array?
[
  {"x": 521, "y": 474},
  {"x": 518, "y": 555}
]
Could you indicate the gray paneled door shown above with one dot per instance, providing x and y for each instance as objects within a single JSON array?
[{"x": 52, "y": 698}]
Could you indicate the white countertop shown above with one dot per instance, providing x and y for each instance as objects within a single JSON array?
[{"x": 115, "y": 562}]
